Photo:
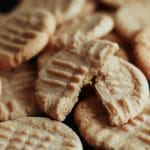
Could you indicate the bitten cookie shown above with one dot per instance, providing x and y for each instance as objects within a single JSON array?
[
  {"x": 17, "y": 98},
  {"x": 142, "y": 51},
  {"x": 93, "y": 122},
  {"x": 123, "y": 90},
  {"x": 23, "y": 36},
  {"x": 62, "y": 77},
  {"x": 37, "y": 133}
]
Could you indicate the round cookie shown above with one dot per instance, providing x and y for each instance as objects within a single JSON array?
[
  {"x": 24, "y": 35},
  {"x": 131, "y": 17},
  {"x": 65, "y": 73},
  {"x": 62, "y": 10},
  {"x": 123, "y": 90},
  {"x": 17, "y": 98},
  {"x": 142, "y": 51},
  {"x": 37, "y": 133},
  {"x": 93, "y": 122}
]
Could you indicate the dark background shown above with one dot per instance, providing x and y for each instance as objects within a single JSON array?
[{"x": 7, "y": 5}]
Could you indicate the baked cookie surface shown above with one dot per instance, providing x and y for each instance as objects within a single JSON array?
[
  {"x": 123, "y": 90},
  {"x": 62, "y": 77},
  {"x": 17, "y": 98},
  {"x": 37, "y": 133},
  {"x": 131, "y": 17},
  {"x": 82, "y": 29},
  {"x": 142, "y": 51},
  {"x": 93, "y": 122},
  {"x": 63, "y": 10},
  {"x": 23, "y": 36}
]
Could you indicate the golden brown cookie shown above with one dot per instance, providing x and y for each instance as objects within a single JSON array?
[
  {"x": 84, "y": 28},
  {"x": 17, "y": 98},
  {"x": 123, "y": 90},
  {"x": 23, "y": 36},
  {"x": 131, "y": 17},
  {"x": 62, "y": 77},
  {"x": 30, "y": 133},
  {"x": 93, "y": 122},
  {"x": 63, "y": 10},
  {"x": 141, "y": 52}
]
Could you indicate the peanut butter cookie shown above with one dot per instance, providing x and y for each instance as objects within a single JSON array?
[
  {"x": 37, "y": 133},
  {"x": 93, "y": 122},
  {"x": 62, "y": 77},
  {"x": 123, "y": 90},
  {"x": 23, "y": 36}
]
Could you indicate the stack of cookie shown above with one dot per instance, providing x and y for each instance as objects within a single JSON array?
[{"x": 59, "y": 58}]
